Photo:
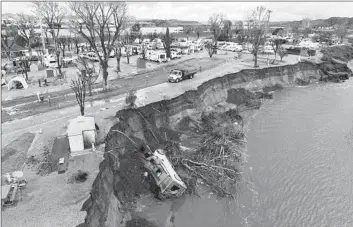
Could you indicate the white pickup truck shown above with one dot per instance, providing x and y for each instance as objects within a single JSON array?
[{"x": 179, "y": 74}]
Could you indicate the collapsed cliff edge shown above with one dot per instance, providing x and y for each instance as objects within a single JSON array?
[{"x": 186, "y": 122}]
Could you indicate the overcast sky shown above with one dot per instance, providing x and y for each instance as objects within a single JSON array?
[{"x": 200, "y": 11}]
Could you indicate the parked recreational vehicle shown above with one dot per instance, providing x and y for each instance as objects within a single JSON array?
[
  {"x": 92, "y": 56},
  {"x": 159, "y": 57}
]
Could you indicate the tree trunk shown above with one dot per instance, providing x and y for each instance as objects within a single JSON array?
[
  {"x": 77, "y": 50},
  {"x": 255, "y": 58},
  {"x": 82, "y": 109},
  {"x": 118, "y": 56},
  {"x": 275, "y": 57},
  {"x": 128, "y": 58},
  {"x": 90, "y": 86},
  {"x": 105, "y": 74},
  {"x": 64, "y": 50},
  {"x": 58, "y": 61}
]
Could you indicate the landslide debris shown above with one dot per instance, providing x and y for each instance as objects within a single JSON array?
[{"x": 334, "y": 67}]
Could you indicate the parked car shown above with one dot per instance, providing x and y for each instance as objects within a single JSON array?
[{"x": 179, "y": 74}]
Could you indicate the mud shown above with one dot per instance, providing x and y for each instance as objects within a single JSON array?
[{"x": 160, "y": 124}]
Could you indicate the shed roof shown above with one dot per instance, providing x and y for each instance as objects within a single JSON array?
[{"x": 79, "y": 124}]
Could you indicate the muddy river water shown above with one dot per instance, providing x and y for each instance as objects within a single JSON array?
[{"x": 298, "y": 170}]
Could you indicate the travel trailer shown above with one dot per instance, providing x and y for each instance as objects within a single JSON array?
[
  {"x": 158, "y": 57},
  {"x": 164, "y": 175}
]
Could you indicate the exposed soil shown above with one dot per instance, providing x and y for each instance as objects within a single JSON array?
[
  {"x": 239, "y": 96},
  {"x": 140, "y": 222},
  {"x": 14, "y": 155}
]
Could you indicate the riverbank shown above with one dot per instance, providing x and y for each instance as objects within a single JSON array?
[
  {"x": 105, "y": 118},
  {"x": 216, "y": 95}
]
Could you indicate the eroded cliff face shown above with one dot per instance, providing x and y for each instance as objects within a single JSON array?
[{"x": 156, "y": 124}]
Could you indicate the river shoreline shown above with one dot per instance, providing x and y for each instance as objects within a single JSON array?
[{"x": 170, "y": 112}]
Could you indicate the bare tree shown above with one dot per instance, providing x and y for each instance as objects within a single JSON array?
[
  {"x": 26, "y": 30},
  {"x": 62, "y": 43},
  {"x": 228, "y": 29},
  {"x": 216, "y": 23},
  {"x": 306, "y": 23},
  {"x": 282, "y": 53},
  {"x": 276, "y": 45},
  {"x": 9, "y": 35},
  {"x": 128, "y": 49},
  {"x": 24, "y": 65},
  {"x": 88, "y": 73},
  {"x": 143, "y": 51},
  {"x": 210, "y": 48},
  {"x": 238, "y": 26},
  {"x": 52, "y": 15},
  {"x": 76, "y": 41},
  {"x": 166, "y": 42},
  {"x": 78, "y": 85},
  {"x": 117, "y": 49},
  {"x": 187, "y": 32},
  {"x": 258, "y": 21},
  {"x": 102, "y": 22}
]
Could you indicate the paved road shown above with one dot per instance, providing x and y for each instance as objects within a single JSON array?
[{"x": 29, "y": 106}]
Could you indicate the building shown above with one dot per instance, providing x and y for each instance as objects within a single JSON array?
[{"x": 81, "y": 132}]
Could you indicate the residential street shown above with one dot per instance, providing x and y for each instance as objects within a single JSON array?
[{"x": 28, "y": 106}]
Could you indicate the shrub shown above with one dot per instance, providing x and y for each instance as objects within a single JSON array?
[
  {"x": 131, "y": 99},
  {"x": 78, "y": 177}
]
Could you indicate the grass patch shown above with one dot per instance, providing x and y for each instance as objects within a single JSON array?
[{"x": 14, "y": 155}]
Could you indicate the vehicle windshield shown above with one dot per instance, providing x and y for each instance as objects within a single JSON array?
[{"x": 175, "y": 72}]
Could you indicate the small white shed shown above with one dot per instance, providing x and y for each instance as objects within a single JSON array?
[{"x": 81, "y": 132}]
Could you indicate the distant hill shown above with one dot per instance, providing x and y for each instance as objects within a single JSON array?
[
  {"x": 9, "y": 16},
  {"x": 330, "y": 22},
  {"x": 14, "y": 16},
  {"x": 173, "y": 23}
]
